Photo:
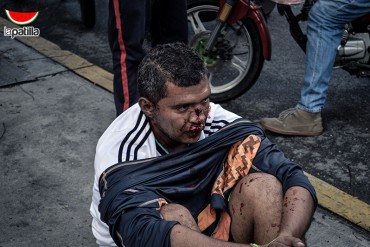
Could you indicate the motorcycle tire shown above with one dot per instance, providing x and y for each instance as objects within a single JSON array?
[
  {"x": 88, "y": 13},
  {"x": 234, "y": 72}
]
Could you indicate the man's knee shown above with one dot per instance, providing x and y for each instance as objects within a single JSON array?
[
  {"x": 257, "y": 189},
  {"x": 258, "y": 183},
  {"x": 177, "y": 212}
]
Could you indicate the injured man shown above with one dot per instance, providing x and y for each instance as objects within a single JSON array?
[{"x": 178, "y": 170}]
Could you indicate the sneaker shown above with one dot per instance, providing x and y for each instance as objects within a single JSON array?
[{"x": 295, "y": 122}]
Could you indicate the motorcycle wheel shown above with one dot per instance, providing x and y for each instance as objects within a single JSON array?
[{"x": 237, "y": 61}]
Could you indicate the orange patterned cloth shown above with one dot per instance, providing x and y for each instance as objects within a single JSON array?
[{"x": 237, "y": 165}]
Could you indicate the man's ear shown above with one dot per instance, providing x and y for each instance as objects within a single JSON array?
[{"x": 146, "y": 106}]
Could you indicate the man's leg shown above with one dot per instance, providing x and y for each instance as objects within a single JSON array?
[
  {"x": 187, "y": 233},
  {"x": 129, "y": 25},
  {"x": 256, "y": 207},
  {"x": 324, "y": 27},
  {"x": 169, "y": 23},
  {"x": 177, "y": 212}
]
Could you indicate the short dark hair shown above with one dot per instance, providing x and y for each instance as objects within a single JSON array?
[{"x": 173, "y": 62}]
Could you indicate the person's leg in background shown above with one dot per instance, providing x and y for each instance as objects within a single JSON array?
[
  {"x": 324, "y": 27},
  {"x": 129, "y": 23},
  {"x": 169, "y": 23}
]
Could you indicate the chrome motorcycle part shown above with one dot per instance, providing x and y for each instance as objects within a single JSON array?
[{"x": 354, "y": 56}]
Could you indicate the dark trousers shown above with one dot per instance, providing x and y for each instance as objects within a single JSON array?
[{"x": 129, "y": 23}]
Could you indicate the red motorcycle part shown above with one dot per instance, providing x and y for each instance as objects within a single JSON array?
[{"x": 246, "y": 8}]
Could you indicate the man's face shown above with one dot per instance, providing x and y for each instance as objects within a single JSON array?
[{"x": 179, "y": 118}]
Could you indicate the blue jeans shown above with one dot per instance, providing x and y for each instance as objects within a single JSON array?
[{"x": 324, "y": 28}]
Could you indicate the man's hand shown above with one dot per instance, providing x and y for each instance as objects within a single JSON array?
[{"x": 283, "y": 241}]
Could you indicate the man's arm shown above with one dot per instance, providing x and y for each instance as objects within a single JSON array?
[
  {"x": 146, "y": 227},
  {"x": 299, "y": 195},
  {"x": 182, "y": 236},
  {"x": 187, "y": 233},
  {"x": 298, "y": 209}
]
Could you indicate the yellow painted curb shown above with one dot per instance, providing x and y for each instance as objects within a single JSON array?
[
  {"x": 341, "y": 203},
  {"x": 98, "y": 76},
  {"x": 331, "y": 198}
]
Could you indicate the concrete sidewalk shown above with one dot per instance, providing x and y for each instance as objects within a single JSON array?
[{"x": 50, "y": 121}]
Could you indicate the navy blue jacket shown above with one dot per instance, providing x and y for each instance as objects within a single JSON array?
[{"x": 133, "y": 191}]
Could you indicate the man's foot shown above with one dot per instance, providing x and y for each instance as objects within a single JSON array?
[{"x": 295, "y": 122}]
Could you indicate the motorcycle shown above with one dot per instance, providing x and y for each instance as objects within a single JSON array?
[
  {"x": 233, "y": 39},
  {"x": 353, "y": 53}
]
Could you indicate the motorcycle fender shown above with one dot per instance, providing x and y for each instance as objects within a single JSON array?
[{"x": 253, "y": 12}]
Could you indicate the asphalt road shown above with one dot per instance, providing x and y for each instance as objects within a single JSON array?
[{"x": 340, "y": 156}]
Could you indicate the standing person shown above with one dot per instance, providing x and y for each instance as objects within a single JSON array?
[
  {"x": 324, "y": 28},
  {"x": 129, "y": 23},
  {"x": 178, "y": 170}
]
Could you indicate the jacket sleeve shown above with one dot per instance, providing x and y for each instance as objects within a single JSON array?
[
  {"x": 271, "y": 160},
  {"x": 141, "y": 227}
]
